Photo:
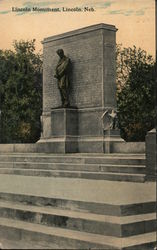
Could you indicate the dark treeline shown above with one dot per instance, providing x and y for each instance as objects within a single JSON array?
[{"x": 21, "y": 93}]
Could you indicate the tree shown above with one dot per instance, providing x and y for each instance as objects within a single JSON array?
[
  {"x": 21, "y": 92},
  {"x": 135, "y": 92}
]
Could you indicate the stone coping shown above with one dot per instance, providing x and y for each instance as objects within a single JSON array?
[
  {"x": 80, "y": 31},
  {"x": 45, "y": 146}
]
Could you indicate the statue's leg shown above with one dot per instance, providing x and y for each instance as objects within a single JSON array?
[
  {"x": 62, "y": 97},
  {"x": 65, "y": 97}
]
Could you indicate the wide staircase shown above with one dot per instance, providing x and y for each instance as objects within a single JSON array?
[
  {"x": 76, "y": 201},
  {"x": 119, "y": 167}
]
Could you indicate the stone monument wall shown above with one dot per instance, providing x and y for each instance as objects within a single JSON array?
[
  {"x": 92, "y": 88},
  {"x": 92, "y": 52}
]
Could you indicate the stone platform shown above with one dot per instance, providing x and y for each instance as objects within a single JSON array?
[
  {"x": 85, "y": 145},
  {"x": 79, "y": 211}
]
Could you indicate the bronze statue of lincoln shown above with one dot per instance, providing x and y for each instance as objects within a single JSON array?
[{"x": 62, "y": 74}]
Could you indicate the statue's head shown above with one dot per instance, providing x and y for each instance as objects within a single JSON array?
[{"x": 60, "y": 53}]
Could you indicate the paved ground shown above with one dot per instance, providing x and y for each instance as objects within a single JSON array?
[{"x": 111, "y": 192}]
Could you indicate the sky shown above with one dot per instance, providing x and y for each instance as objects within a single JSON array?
[{"x": 135, "y": 20}]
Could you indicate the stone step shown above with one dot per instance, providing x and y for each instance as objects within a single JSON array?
[
  {"x": 80, "y": 221},
  {"x": 53, "y": 237},
  {"x": 81, "y": 206},
  {"x": 11, "y": 244},
  {"x": 99, "y": 208},
  {"x": 90, "y": 190},
  {"x": 76, "y": 159},
  {"x": 75, "y": 167},
  {"x": 76, "y": 174},
  {"x": 74, "y": 155}
]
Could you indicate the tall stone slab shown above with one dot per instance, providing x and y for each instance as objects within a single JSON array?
[
  {"x": 151, "y": 155},
  {"x": 79, "y": 128}
]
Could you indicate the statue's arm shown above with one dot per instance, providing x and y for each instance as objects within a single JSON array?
[
  {"x": 57, "y": 75},
  {"x": 63, "y": 69}
]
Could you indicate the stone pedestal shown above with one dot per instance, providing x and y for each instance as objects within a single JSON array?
[
  {"x": 73, "y": 130},
  {"x": 111, "y": 136},
  {"x": 60, "y": 127},
  {"x": 64, "y": 122}
]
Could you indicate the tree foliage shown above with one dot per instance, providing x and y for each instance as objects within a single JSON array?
[
  {"x": 21, "y": 92},
  {"x": 135, "y": 92}
]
